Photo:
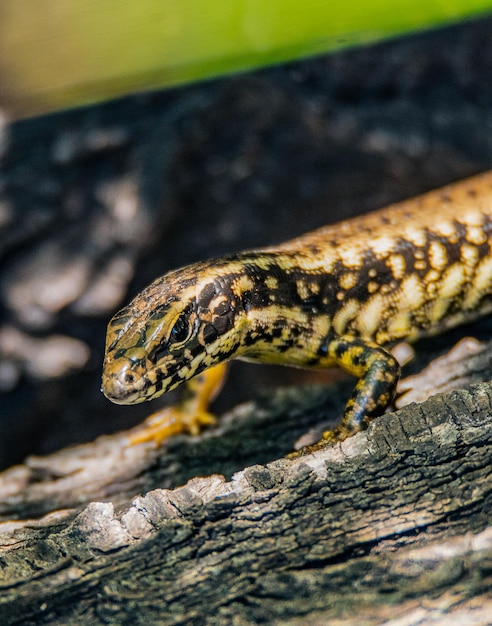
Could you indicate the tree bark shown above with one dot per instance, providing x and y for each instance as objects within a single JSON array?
[{"x": 393, "y": 523}]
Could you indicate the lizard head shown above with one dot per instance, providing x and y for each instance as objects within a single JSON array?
[{"x": 184, "y": 322}]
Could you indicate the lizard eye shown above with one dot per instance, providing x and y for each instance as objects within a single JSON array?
[{"x": 182, "y": 328}]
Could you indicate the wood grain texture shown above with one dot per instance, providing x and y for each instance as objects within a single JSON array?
[{"x": 394, "y": 522}]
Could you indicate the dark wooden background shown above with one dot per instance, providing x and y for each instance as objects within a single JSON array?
[{"x": 95, "y": 203}]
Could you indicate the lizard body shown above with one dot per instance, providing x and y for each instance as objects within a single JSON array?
[{"x": 340, "y": 295}]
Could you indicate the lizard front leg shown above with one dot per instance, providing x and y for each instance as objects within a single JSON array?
[
  {"x": 378, "y": 373},
  {"x": 189, "y": 415}
]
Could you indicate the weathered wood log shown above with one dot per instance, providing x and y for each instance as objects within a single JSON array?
[
  {"x": 393, "y": 522},
  {"x": 257, "y": 432}
]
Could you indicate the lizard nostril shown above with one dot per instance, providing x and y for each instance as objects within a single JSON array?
[
  {"x": 122, "y": 387},
  {"x": 127, "y": 378}
]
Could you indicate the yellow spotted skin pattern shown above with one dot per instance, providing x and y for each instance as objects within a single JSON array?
[{"x": 337, "y": 296}]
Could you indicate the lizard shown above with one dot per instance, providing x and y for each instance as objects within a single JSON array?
[{"x": 341, "y": 295}]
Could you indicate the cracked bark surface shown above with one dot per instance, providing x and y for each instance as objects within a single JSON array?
[{"x": 392, "y": 524}]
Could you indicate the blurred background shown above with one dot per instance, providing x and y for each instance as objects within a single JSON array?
[{"x": 97, "y": 201}]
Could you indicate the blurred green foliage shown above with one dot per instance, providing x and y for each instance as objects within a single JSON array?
[{"x": 60, "y": 53}]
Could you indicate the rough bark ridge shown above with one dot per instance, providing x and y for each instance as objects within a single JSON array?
[{"x": 359, "y": 534}]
